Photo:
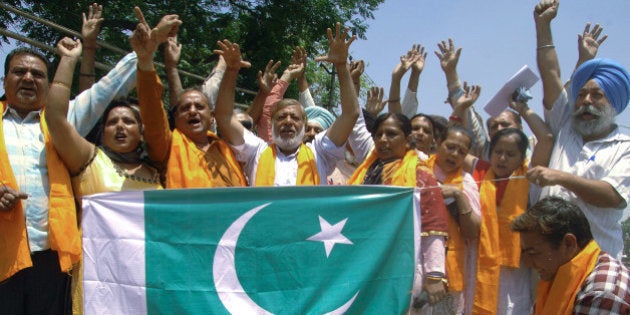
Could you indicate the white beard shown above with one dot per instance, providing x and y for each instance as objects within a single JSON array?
[
  {"x": 288, "y": 144},
  {"x": 605, "y": 118}
]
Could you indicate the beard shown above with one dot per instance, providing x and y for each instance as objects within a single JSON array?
[
  {"x": 288, "y": 144},
  {"x": 604, "y": 118}
]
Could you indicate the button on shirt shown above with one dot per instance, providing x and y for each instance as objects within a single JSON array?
[
  {"x": 25, "y": 145},
  {"x": 606, "y": 159},
  {"x": 325, "y": 151}
]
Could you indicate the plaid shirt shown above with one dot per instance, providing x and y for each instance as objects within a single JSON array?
[{"x": 605, "y": 290}]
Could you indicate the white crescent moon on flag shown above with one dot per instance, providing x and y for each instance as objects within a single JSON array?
[{"x": 228, "y": 287}]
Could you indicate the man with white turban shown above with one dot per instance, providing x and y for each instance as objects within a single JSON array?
[
  {"x": 318, "y": 119},
  {"x": 590, "y": 162}
]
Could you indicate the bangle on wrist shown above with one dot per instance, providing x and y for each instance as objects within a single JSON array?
[
  {"x": 453, "y": 84},
  {"x": 456, "y": 119},
  {"x": 546, "y": 46},
  {"x": 465, "y": 213},
  {"x": 394, "y": 100}
]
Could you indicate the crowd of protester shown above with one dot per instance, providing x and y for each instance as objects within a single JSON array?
[{"x": 510, "y": 224}]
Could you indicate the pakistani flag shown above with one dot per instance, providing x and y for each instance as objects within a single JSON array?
[{"x": 289, "y": 250}]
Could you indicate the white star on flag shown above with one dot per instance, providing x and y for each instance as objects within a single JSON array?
[{"x": 330, "y": 234}]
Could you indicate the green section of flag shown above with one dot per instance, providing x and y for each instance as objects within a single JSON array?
[{"x": 280, "y": 269}]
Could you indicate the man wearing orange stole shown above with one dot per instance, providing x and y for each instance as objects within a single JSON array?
[{"x": 576, "y": 276}]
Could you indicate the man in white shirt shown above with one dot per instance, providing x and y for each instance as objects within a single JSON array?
[{"x": 590, "y": 162}]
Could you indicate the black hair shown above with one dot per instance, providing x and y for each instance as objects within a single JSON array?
[
  {"x": 522, "y": 141},
  {"x": 462, "y": 130},
  {"x": 28, "y": 51},
  {"x": 403, "y": 122},
  {"x": 127, "y": 102},
  {"x": 554, "y": 217},
  {"x": 440, "y": 125}
]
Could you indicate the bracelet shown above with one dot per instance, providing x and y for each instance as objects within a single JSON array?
[
  {"x": 546, "y": 46},
  {"x": 456, "y": 118},
  {"x": 62, "y": 84},
  {"x": 87, "y": 74},
  {"x": 465, "y": 213},
  {"x": 454, "y": 84},
  {"x": 393, "y": 101}
]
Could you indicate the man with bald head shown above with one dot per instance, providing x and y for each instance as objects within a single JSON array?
[{"x": 590, "y": 162}]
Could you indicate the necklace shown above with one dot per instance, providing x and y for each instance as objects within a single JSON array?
[{"x": 123, "y": 173}]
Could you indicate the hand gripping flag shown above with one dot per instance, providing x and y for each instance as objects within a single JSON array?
[{"x": 289, "y": 250}]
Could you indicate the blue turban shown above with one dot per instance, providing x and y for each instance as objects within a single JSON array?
[
  {"x": 611, "y": 77},
  {"x": 320, "y": 115}
]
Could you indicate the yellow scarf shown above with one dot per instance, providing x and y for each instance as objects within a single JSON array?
[
  {"x": 63, "y": 232},
  {"x": 307, "y": 170},
  {"x": 405, "y": 174},
  {"x": 561, "y": 292},
  {"x": 188, "y": 168},
  {"x": 455, "y": 253},
  {"x": 498, "y": 244}
]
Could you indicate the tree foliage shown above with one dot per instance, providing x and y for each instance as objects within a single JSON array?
[{"x": 265, "y": 29}]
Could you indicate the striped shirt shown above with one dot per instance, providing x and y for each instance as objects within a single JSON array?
[{"x": 25, "y": 145}]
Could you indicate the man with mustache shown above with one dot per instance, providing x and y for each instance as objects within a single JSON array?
[
  {"x": 191, "y": 155},
  {"x": 288, "y": 161},
  {"x": 590, "y": 161},
  {"x": 318, "y": 120}
]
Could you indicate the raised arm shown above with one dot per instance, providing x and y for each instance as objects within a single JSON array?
[
  {"x": 172, "y": 53},
  {"x": 299, "y": 56},
  {"x": 144, "y": 42},
  {"x": 231, "y": 129},
  {"x": 588, "y": 43},
  {"x": 449, "y": 58},
  {"x": 89, "y": 31},
  {"x": 306, "y": 99},
  {"x": 73, "y": 149},
  {"x": 87, "y": 108},
  {"x": 277, "y": 93},
  {"x": 410, "y": 99},
  {"x": 544, "y": 137},
  {"x": 416, "y": 67},
  {"x": 374, "y": 103},
  {"x": 338, "y": 56},
  {"x": 463, "y": 104},
  {"x": 266, "y": 81},
  {"x": 356, "y": 70},
  {"x": 210, "y": 86},
  {"x": 399, "y": 71},
  {"x": 546, "y": 56}
]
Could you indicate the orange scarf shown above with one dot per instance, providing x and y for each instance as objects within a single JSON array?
[
  {"x": 455, "y": 253},
  {"x": 561, "y": 292},
  {"x": 498, "y": 244},
  {"x": 188, "y": 168},
  {"x": 63, "y": 232},
  {"x": 307, "y": 170},
  {"x": 405, "y": 174}
]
